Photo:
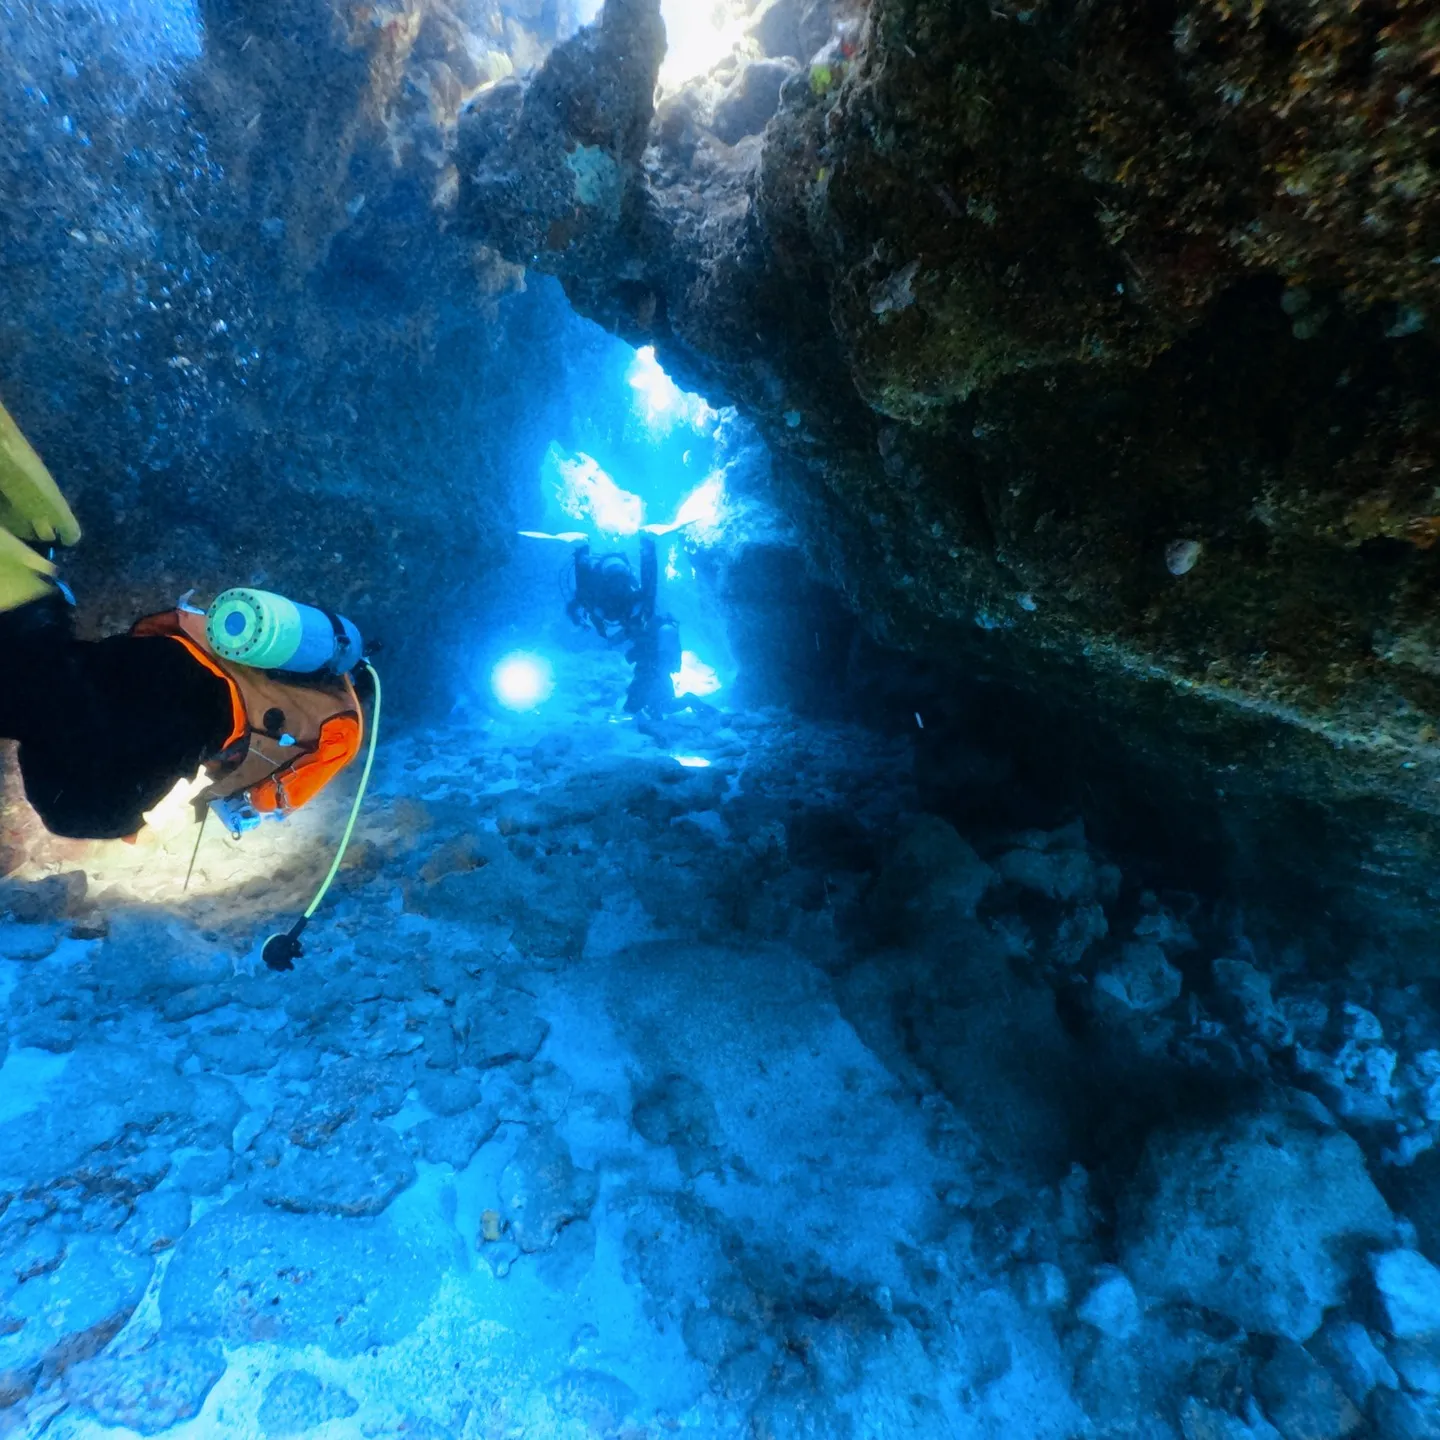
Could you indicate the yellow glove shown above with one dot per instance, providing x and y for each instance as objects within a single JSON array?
[
  {"x": 31, "y": 508},
  {"x": 24, "y": 575},
  {"x": 31, "y": 505}
]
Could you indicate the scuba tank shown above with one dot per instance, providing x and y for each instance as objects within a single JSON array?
[{"x": 269, "y": 632}]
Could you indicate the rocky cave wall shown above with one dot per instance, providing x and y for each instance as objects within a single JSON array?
[
  {"x": 1091, "y": 342},
  {"x": 235, "y": 321}
]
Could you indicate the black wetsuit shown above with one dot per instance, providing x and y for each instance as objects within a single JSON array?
[
  {"x": 655, "y": 654},
  {"x": 608, "y": 598},
  {"x": 106, "y": 727}
]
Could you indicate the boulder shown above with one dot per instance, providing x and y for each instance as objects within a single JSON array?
[
  {"x": 1350, "y": 1354},
  {"x": 1199, "y": 1421},
  {"x": 550, "y": 914},
  {"x": 28, "y": 942},
  {"x": 247, "y": 1274},
  {"x": 160, "y": 1218},
  {"x": 1396, "y": 1416},
  {"x": 39, "y": 1251},
  {"x": 359, "y": 1170},
  {"x": 1262, "y": 1218},
  {"x": 245, "y": 1052},
  {"x": 68, "y": 1313},
  {"x": 675, "y": 1111},
  {"x": 1408, "y": 1286},
  {"x": 448, "y": 1094},
  {"x": 204, "y": 1173},
  {"x": 542, "y": 1191},
  {"x": 1301, "y": 1399},
  {"x": 296, "y": 1401},
  {"x": 1139, "y": 981},
  {"x": 599, "y": 1401},
  {"x": 501, "y": 1027},
  {"x": 797, "y": 28},
  {"x": 42, "y": 902},
  {"x": 109, "y": 1122},
  {"x": 453, "y": 1139},
  {"x": 148, "y": 1390},
  {"x": 1059, "y": 873},
  {"x": 1112, "y": 1306},
  {"x": 932, "y": 878},
  {"x": 1418, "y": 1364},
  {"x": 149, "y": 956}
]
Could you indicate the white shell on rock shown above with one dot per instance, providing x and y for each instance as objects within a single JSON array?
[{"x": 1181, "y": 556}]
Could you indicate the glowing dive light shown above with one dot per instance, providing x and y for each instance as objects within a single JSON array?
[{"x": 523, "y": 680}]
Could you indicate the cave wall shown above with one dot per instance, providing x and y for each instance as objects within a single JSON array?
[
  {"x": 235, "y": 321},
  {"x": 1090, "y": 340}
]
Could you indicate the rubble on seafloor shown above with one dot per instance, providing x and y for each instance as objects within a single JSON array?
[{"x": 623, "y": 1097}]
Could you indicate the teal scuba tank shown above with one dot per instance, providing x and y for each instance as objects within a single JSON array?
[{"x": 269, "y": 632}]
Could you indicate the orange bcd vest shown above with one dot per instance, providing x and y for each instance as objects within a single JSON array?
[{"x": 321, "y": 714}]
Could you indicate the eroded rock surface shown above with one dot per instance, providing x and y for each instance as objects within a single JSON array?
[
  {"x": 1074, "y": 334},
  {"x": 830, "y": 1126}
]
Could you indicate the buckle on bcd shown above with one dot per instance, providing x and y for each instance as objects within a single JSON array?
[{"x": 236, "y": 814}]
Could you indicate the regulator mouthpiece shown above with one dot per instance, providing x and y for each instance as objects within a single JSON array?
[{"x": 269, "y": 632}]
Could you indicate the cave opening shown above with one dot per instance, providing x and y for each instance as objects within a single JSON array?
[{"x": 892, "y": 891}]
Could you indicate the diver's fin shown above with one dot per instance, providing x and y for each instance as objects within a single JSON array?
[
  {"x": 24, "y": 575},
  {"x": 31, "y": 505}
]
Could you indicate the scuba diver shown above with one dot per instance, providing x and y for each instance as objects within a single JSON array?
[
  {"x": 255, "y": 689},
  {"x": 609, "y": 599}
]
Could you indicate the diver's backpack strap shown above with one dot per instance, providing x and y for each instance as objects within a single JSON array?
[{"x": 290, "y": 737}]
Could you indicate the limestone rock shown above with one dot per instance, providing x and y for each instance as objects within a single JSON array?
[
  {"x": 676, "y": 1111},
  {"x": 296, "y": 1401},
  {"x": 502, "y": 1027},
  {"x": 934, "y": 877},
  {"x": 100, "y": 1116},
  {"x": 1140, "y": 980},
  {"x": 247, "y": 1274},
  {"x": 69, "y": 1313},
  {"x": 1396, "y": 1416},
  {"x": 348, "y": 1090},
  {"x": 1418, "y": 1364},
  {"x": 1352, "y": 1357},
  {"x": 1301, "y": 1399},
  {"x": 41, "y": 902},
  {"x": 28, "y": 942},
  {"x": 1263, "y": 1219},
  {"x": 1059, "y": 874},
  {"x": 160, "y": 1219},
  {"x": 150, "y": 956},
  {"x": 205, "y": 1173},
  {"x": 541, "y": 1190},
  {"x": 150, "y": 1389},
  {"x": 1409, "y": 1289},
  {"x": 1112, "y": 1306},
  {"x": 454, "y": 1139},
  {"x": 1199, "y": 1421},
  {"x": 878, "y": 293},
  {"x": 797, "y": 28},
  {"x": 358, "y": 1170},
  {"x": 244, "y": 1052},
  {"x": 448, "y": 1094},
  {"x": 600, "y": 1401}
]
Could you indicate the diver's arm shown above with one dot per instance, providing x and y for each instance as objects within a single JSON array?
[
  {"x": 649, "y": 576},
  {"x": 579, "y": 605}
]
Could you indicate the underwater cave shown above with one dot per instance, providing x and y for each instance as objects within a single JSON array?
[{"x": 719, "y": 718}]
